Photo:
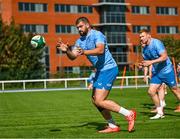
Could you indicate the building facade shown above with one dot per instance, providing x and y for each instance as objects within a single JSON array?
[{"x": 119, "y": 20}]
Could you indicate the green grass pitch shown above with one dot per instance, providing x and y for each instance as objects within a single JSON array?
[{"x": 70, "y": 114}]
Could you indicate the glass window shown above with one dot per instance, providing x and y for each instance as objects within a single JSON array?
[
  {"x": 56, "y": 8},
  {"x": 167, "y": 29},
  {"x": 84, "y": 9},
  {"x": 68, "y": 8},
  {"x": 166, "y": 10},
  {"x": 72, "y": 8},
  {"x": 140, "y": 9},
  {"x": 137, "y": 28},
  {"x": 32, "y": 7},
  {"x": 27, "y": 7},
  {"x": 35, "y": 28},
  {"x": 62, "y": 8},
  {"x": 45, "y": 7},
  {"x": 74, "y": 30},
  {"x": 66, "y": 29},
  {"x": 79, "y": 9},
  {"x": 20, "y": 5}
]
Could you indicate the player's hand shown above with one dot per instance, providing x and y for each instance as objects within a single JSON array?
[
  {"x": 150, "y": 75},
  {"x": 62, "y": 46},
  {"x": 145, "y": 79},
  {"x": 140, "y": 65},
  {"x": 90, "y": 86},
  {"x": 147, "y": 63},
  {"x": 77, "y": 51},
  {"x": 80, "y": 50}
]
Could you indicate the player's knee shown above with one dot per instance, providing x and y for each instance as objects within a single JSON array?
[
  {"x": 98, "y": 107},
  {"x": 97, "y": 102},
  {"x": 151, "y": 92},
  {"x": 174, "y": 88},
  {"x": 176, "y": 91}
]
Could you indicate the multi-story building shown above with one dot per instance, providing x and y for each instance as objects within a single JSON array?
[{"x": 119, "y": 20}]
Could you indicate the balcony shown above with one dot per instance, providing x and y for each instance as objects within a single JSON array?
[
  {"x": 121, "y": 1},
  {"x": 116, "y": 37},
  {"x": 112, "y": 17},
  {"x": 110, "y": 2}
]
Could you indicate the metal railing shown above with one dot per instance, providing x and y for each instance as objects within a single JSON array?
[{"x": 63, "y": 84}]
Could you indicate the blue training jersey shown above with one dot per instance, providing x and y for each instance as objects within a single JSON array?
[
  {"x": 89, "y": 42},
  {"x": 91, "y": 77},
  {"x": 153, "y": 51}
]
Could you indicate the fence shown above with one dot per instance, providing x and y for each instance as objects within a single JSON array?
[{"x": 65, "y": 84}]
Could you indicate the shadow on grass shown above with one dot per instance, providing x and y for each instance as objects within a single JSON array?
[
  {"x": 148, "y": 105},
  {"x": 95, "y": 125},
  {"x": 166, "y": 114},
  {"x": 55, "y": 130}
]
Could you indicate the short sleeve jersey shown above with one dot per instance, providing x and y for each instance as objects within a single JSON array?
[
  {"x": 153, "y": 51},
  {"x": 89, "y": 42}
]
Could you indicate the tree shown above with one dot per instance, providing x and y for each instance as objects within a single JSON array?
[
  {"x": 18, "y": 59},
  {"x": 173, "y": 47}
]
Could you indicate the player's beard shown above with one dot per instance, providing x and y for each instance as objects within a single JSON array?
[
  {"x": 143, "y": 44},
  {"x": 83, "y": 33}
]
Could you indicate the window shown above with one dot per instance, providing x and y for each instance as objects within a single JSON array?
[
  {"x": 35, "y": 28},
  {"x": 66, "y": 29},
  {"x": 72, "y": 8},
  {"x": 32, "y": 7},
  {"x": 137, "y": 28},
  {"x": 167, "y": 29},
  {"x": 135, "y": 49},
  {"x": 140, "y": 9},
  {"x": 84, "y": 9},
  {"x": 166, "y": 11}
]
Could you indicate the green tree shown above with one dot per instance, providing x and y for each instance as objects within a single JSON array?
[
  {"x": 18, "y": 60},
  {"x": 173, "y": 47}
]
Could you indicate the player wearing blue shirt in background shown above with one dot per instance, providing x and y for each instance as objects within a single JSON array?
[
  {"x": 154, "y": 53},
  {"x": 91, "y": 78},
  {"x": 93, "y": 44}
]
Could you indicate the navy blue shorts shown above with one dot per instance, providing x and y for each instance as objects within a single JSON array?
[
  {"x": 167, "y": 78},
  {"x": 104, "y": 79}
]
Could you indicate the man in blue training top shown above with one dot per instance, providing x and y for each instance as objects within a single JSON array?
[
  {"x": 93, "y": 44},
  {"x": 154, "y": 53}
]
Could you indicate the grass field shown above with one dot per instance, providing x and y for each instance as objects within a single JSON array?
[{"x": 70, "y": 114}]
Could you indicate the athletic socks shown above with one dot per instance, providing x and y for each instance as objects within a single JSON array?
[
  {"x": 111, "y": 123},
  {"x": 124, "y": 111},
  {"x": 162, "y": 103},
  {"x": 160, "y": 110}
]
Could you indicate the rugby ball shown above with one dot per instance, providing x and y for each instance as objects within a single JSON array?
[{"x": 38, "y": 41}]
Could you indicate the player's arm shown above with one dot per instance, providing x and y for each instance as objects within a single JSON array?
[
  {"x": 72, "y": 54},
  {"x": 145, "y": 74},
  {"x": 163, "y": 57},
  {"x": 99, "y": 50},
  {"x": 150, "y": 71}
]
